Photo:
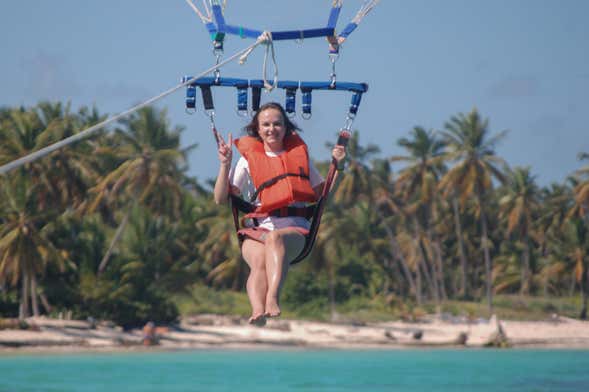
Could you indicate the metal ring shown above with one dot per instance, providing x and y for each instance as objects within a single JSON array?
[
  {"x": 190, "y": 111},
  {"x": 306, "y": 116}
]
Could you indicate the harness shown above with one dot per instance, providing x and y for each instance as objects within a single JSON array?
[{"x": 312, "y": 212}]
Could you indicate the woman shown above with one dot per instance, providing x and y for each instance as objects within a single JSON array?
[{"x": 275, "y": 156}]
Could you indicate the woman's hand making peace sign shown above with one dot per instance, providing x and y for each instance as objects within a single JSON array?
[{"x": 225, "y": 150}]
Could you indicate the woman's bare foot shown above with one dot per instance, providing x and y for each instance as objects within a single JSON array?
[
  {"x": 272, "y": 308},
  {"x": 258, "y": 320}
]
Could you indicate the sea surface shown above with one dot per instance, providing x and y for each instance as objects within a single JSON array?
[{"x": 300, "y": 370}]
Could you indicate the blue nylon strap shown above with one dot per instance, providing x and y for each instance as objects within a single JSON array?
[
  {"x": 307, "y": 100},
  {"x": 211, "y": 28},
  {"x": 348, "y": 29},
  {"x": 290, "y": 101},
  {"x": 302, "y": 34},
  {"x": 333, "y": 16},
  {"x": 190, "y": 97},
  {"x": 242, "y": 99},
  {"x": 219, "y": 18},
  {"x": 243, "y": 32},
  {"x": 355, "y": 103}
]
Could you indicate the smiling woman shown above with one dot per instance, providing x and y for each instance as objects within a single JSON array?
[{"x": 277, "y": 175}]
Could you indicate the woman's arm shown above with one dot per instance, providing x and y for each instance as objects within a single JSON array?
[
  {"x": 338, "y": 154},
  {"x": 225, "y": 154}
]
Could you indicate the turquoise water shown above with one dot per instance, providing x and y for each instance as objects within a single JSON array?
[{"x": 400, "y": 370}]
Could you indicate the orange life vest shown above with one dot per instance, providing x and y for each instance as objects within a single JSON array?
[{"x": 280, "y": 180}]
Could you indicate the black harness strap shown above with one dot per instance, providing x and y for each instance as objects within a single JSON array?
[{"x": 274, "y": 180}]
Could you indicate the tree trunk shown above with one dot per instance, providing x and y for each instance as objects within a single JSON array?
[
  {"x": 431, "y": 274},
  {"x": 331, "y": 291},
  {"x": 585, "y": 293},
  {"x": 423, "y": 260},
  {"x": 24, "y": 297},
  {"x": 440, "y": 264},
  {"x": 45, "y": 303},
  {"x": 488, "y": 265},
  {"x": 396, "y": 251},
  {"x": 461, "y": 251},
  {"x": 34, "y": 302},
  {"x": 525, "y": 276},
  {"x": 113, "y": 242}
]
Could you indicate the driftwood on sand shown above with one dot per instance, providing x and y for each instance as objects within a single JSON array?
[{"x": 213, "y": 331}]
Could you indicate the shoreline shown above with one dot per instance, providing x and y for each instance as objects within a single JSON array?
[{"x": 214, "y": 332}]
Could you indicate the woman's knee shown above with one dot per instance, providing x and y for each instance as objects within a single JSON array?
[
  {"x": 254, "y": 255},
  {"x": 274, "y": 238}
]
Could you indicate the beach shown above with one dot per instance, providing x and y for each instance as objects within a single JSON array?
[{"x": 215, "y": 331}]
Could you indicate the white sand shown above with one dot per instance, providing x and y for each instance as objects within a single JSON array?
[{"x": 226, "y": 332}]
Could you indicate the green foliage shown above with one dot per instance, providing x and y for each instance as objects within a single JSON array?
[
  {"x": 395, "y": 242},
  {"x": 204, "y": 299}
]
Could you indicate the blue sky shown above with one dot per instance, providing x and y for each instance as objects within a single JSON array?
[{"x": 523, "y": 64}]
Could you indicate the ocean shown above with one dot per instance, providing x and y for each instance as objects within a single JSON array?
[{"x": 438, "y": 370}]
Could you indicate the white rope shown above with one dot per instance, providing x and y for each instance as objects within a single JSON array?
[
  {"x": 265, "y": 38},
  {"x": 87, "y": 132},
  {"x": 364, "y": 10},
  {"x": 205, "y": 19}
]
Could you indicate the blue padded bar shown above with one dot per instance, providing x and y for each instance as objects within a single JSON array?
[
  {"x": 288, "y": 84},
  {"x": 348, "y": 30},
  {"x": 302, "y": 34},
  {"x": 211, "y": 81},
  {"x": 333, "y": 16},
  {"x": 346, "y": 86},
  {"x": 219, "y": 18},
  {"x": 284, "y": 84},
  {"x": 256, "y": 83},
  {"x": 243, "y": 32}
]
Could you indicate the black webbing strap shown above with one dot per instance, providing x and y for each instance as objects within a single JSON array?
[
  {"x": 274, "y": 180},
  {"x": 343, "y": 138},
  {"x": 207, "y": 97},
  {"x": 256, "y": 97}
]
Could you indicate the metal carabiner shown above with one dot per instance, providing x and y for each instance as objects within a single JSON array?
[
  {"x": 349, "y": 121},
  {"x": 333, "y": 58},
  {"x": 306, "y": 116},
  {"x": 218, "y": 54}
]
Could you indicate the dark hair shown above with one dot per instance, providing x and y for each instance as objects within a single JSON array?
[{"x": 252, "y": 128}]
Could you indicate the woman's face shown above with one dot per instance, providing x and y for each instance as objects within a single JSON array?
[{"x": 271, "y": 129}]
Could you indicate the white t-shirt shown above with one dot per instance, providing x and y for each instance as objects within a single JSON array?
[{"x": 240, "y": 178}]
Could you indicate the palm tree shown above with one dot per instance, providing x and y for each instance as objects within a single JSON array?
[
  {"x": 25, "y": 249},
  {"x": 357, "y": 182},
  {"x": 518, "y": 206},
  {"x": 149, "y": 169},
  {"x": 581, "y": 211},
  {"x": 417, "y": 184},
  {"x": 219, "y": 246},
  {"x": 471, "y": 147}
]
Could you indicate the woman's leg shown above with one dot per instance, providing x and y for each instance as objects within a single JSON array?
[
  {"x": 281, "y": 246},
  {"x": 254, "y": 254}
]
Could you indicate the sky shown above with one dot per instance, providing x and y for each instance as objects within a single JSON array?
[{"x": 524, "y": 65}]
